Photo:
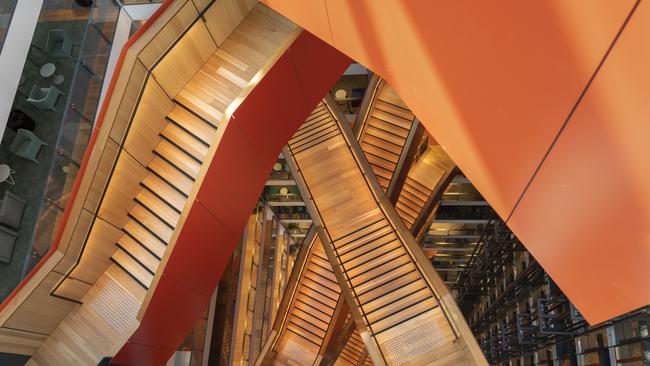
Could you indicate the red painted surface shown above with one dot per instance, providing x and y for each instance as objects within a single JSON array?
[
  {"x": 493, "y": 85},
  {"x": 200, "y": 240},
  {"x": 261, "y": 126},
  {"x": 91, "y": 143},
  {"x": 593, "y": 191}
]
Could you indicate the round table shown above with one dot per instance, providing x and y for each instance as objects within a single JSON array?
[
  {"x": 5, "y": 174},
  {"x": 48, "y": 70}
]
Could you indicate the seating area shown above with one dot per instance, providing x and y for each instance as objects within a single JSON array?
[{"x": 29, "y": 146}]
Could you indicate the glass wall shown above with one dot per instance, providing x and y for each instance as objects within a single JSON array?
[
  {"x": 7, "y": 8},
  {"x": 53, "y": 113}
]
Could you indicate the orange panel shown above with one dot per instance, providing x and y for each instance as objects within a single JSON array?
[
  {"x": 586, "y": 216},
  {"x": 493, "y": 84}
]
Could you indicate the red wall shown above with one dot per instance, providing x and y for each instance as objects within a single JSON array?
[
  {"x": 255, "y": 135},
  {"x": 495, "y": 85}
]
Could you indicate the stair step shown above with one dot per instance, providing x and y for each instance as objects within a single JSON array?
[
  {"x": 404, "y": 314},
  {"x": 178, "y": 158},
  {"x": 389, "y": 128},
  {"x": 171, "y": 175},
  {"x": 164, "y": 191},
  {"x": 202, "y": 110},
  {"x": 185, "y": 141},
  {"x": 145, "y": 237},
  {"x": 140, "y": 254},
  {"x": 382, "y": 144},
  {"x": 395, "y": 111},
  {"x": 155, "y": 248},
  {"x": 167, "y": 213},
  {"x": 195, "y": 125},
  {"x": 386, "y": 136},
  {"x": 152, "y": 223},
  {"x": 132, "y": 268},
  {"x": 372, "y": 148}
]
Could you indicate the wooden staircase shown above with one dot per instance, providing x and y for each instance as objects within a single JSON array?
[
  {"x": 432, "y": 168},
  {"x": 188, "y": 137},
  {"x": 394, "y": 293},
  {"x": 385, "y": 129},
  {"x": 423, "y": 187},
  {"x": 312, "y": 299},
  {"x": 165, "y": 189},
  {"x": 354, "y": 352},
  {"x": 185, "y": 142}
]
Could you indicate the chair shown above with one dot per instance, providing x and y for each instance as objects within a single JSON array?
[
  {"x": 26, "y": 145},
  {"x": 58, "y": 44},
  {"x": 44, "y": 98},
  {"x": 12, "y": 208},
  {"x": 7, "y": 244}
]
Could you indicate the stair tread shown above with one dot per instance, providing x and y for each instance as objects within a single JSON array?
[
  {"x": 164, "y": 190},
  {"x": 155, "y": 246},
  {"x": 186, "y": 141},
  {"x": 387, "y": 127},
  {"x": 144, "y": 236},
  {"x": 161, "y": 208},
  {"x": 171, "y": 175},
  {"x": 194, "y": 124},
  {"x": 388, "y": 106},
  {"x": 151, "y": 222},
  {"x": 133, "y": 268},
  {"x": 178, "y": 158},
  {"x": 136, "y": 250}
]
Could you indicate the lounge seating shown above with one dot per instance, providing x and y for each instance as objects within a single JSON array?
[
  {"x": 12, "y": 208},
  {"x": 58, "y": 45},
  {"x": 26, "y": 145},
  {"x": 44, "y": 98},
  {"x": 7, "y": 244}
]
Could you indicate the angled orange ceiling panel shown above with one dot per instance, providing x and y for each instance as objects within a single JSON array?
[
  {"x": 593, "y": 191},
  {"x": 493, "y": 84}
]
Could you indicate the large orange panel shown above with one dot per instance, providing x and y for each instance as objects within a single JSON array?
[
  {"x": 172, "y": 312},
  {"x": 493, "y": 84},
  {"x": 265, "y": 134},
  {"x": 586, "y": 216},
  {"x": 307, "y": 54},
  {"x": 234, "y": 180},
  {"x": 204, "y": 242}
]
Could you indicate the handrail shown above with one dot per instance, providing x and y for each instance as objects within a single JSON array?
[{"x": 366, "y": 104}]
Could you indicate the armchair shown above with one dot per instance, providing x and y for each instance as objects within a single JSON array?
[
  {"x": 26, "y": 145},
  {"x": 58, "y": 45},
  {"x": 7, "y": 244},
  {"x": 12, "y": 208},
  {"x": 44, "y": 98}
]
